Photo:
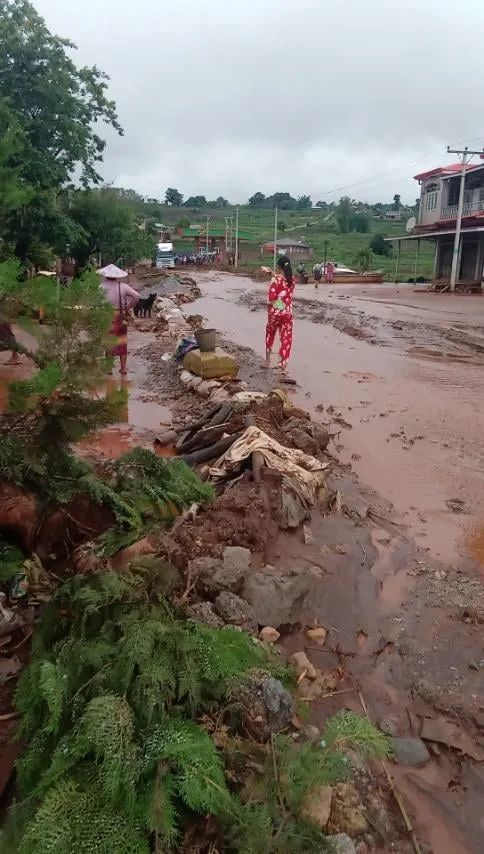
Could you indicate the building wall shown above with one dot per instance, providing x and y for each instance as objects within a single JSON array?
[{"x": 431, "y": 201}]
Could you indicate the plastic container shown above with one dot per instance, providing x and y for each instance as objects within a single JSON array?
[{"x": 206, "y": 340}]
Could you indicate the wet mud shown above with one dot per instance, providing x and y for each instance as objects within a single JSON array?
[{"x": 414, "y": 403}]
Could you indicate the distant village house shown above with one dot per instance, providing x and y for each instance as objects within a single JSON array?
[{"x": 288, "y": 246}]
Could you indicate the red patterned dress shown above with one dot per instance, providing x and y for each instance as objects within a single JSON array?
[{"x": 279, "y": 317}]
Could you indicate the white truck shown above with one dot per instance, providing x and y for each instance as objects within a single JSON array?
[{"x": 164, "y": 255}]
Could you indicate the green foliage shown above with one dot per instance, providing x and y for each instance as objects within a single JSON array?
[
  {"x": 363, "y": 260},
  {"x": 115, "y": 749},
  {"x": 379, "y": 246},
  {"x": 173, "y": 197},
  {"x": 56, "y": 120},
  {"x": 11, "y": 561},
  {"x": 108, "y": 227}
]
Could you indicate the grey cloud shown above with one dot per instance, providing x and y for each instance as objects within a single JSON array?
[{"x": 306, "y": 95}]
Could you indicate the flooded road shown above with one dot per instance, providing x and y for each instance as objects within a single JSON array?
[{"x": 418, "y": 416}]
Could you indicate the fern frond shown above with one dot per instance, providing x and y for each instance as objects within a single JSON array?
[
  {"x": 72, "y": 821},
  {"x": 348, "y": 730},
  {"x": 106, "y": 730},
  {"x": 53, "y": 688}
]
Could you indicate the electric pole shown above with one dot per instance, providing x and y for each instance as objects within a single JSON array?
[
  {"x": 236, "y": 259},
  {"x": 465, "y": 157},
  {"x": 207, "y": 217}
]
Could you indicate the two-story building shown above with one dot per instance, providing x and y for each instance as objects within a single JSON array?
[{"x": 437, "y": 218}]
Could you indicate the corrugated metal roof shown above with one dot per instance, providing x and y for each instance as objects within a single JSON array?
[
  {"x": 288, "y": 241},
  {"x": 446, "y": 171}
]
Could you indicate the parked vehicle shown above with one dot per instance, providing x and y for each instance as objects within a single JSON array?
[{"x": 164, "y": 255}]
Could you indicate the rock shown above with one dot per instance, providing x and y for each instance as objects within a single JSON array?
[
  {"x": 340, "y": 843},
  {"x": 308, "y": 535},
  {"x": 409, "y": 751},
  {"x": 311, "y": 734},
  {"x": 236, "y": 557},
  {"x": 204, "y": 612},
  {"x": 267, "y": 707},
  {"x": 303, "y": 665},
  {"x": 309, "y": 691},
  {"x": 347, "y": 811},
  {"x": 278, "y": 598},
  {"x": 207, "y": 386},
  {"x": 215, "y": 576},
  {"x": 316, "y": 806},
  {"x": 236, "y": 611},
  {"x": 269, "y": 635},
  {"x": 186, "y": 377},
  {"x": 390, "y": 725},
  {"x": 318, "y": 635}
]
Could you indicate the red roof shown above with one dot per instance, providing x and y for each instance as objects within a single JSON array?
[{"x": 450, "y": 169}]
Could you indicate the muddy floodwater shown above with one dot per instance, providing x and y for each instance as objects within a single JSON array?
[{"x": 410, "y": 387}]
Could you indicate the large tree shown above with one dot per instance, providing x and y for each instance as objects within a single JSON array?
[
  {"x": 257, "y": 200},
  {"x": 57, "y": 106},
  {"x": 107, "y": 226},
  {"x": 173, "y": 197}
]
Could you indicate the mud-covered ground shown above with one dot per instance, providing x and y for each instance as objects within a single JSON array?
[
  {"x": 396, "y": 583},
  {"x": 403, "y": 627}
]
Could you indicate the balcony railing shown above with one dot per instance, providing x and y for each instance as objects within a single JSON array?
[{"x": 470, "y": 208}]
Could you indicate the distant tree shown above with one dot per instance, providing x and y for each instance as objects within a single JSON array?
[
  {"x": 221, "y": 202},
  {"x": 183, "y": 223},
  {"x": 282, "y": 226},
  {"x": 304, "y": 203},
  {"x": 257, "y": 200},
  {"x": 173, "y": 197},
  {"x": 283, "y": 201},
  {"x": 360, "y": 223},
  {"x": 322, "y": 205},
  {"x": 379, "y": 247},
  {"x": 195, "y": 202},
  {"x": 397, "y": 204},
  {"x": 344, "y": 213}
]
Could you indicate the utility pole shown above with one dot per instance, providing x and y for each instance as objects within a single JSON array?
[
  {"x": 236, "y": 259},
  {"x": 465, "y": 157},
  {"x": 207, "y": 217},
  {"x": 275, "y": 240}
]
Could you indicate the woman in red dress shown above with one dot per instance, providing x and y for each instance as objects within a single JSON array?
[{"x": 279, "y": 311}]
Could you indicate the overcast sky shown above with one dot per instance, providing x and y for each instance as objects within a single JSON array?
[{"x": 229, "y": 97}]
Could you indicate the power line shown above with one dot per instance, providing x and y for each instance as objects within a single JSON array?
[{"x": 389, "y": 172}]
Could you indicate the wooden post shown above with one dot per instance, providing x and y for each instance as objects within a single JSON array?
[{"x": 399, "y": 246}]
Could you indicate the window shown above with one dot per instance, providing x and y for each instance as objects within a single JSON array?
[{"x": 431, "y": 197}]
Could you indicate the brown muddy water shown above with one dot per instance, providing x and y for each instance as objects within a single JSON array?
[{"x": 418, "y": 418}]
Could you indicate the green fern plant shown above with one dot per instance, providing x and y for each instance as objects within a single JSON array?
[{"x": 118, "y": 756}]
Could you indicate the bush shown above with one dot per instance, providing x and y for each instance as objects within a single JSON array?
[{"x": 379, "y": 246}]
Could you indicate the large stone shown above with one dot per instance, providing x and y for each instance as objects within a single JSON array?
[
  {"x": 236, "y": 611},
  {"x": 409, "y": 751},
  {"x": 341, "y": 844},
  {"x": 316, "y": 806},
  {"x": 267, "y": 708},
  {"x": 204, "y": 612},
  {"x": 216, "y": 576},
  {"x": 209, "y": 366},
  {"x": 278, "y": 598}
]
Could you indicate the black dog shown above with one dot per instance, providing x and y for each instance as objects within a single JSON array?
[{"x": 143, "y": 306}]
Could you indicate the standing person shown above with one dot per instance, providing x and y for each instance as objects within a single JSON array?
[
  {"x": 329, "y": 272},
  {"x": 317, "y": 273},
  {"x": 279, "y": 310},
  {"x": 122, "y": 298}
]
